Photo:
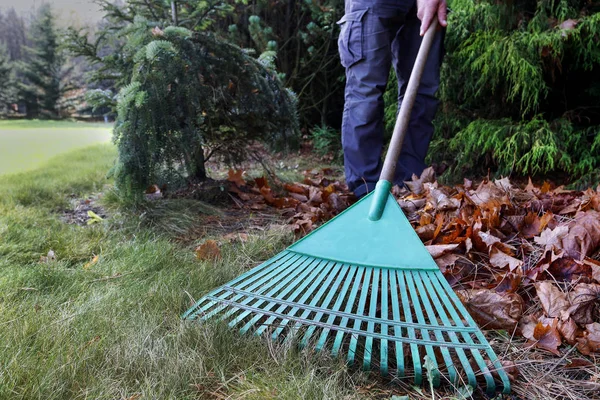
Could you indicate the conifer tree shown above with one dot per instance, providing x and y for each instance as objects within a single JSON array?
[
  {"x": 41, "y": 69},
  {"x": 185, "y": 95}
]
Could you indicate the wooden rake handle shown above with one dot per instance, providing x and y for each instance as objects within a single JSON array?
[
  {"x": 386, "y": 178},
  {"x": 391, "y": 159}
]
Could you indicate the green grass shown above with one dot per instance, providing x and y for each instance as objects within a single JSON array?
[
  {"x": 26, "y": 144},
  {"x": 113, "y": 330}
]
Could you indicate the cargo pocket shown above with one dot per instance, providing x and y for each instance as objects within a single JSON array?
[{"x": 350, "y": 41}]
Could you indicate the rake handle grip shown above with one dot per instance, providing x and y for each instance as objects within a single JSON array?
[{"x": 391, "y": 159}]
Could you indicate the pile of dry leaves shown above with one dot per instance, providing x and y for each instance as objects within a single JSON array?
[{"x": 523, "y": 259}]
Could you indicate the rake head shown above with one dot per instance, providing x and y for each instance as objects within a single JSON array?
[
  {"x": 381, "y": 318},
  {"x": 399, "y": 320}
]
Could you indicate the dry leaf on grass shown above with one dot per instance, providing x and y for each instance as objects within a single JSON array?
[
  {"x": 93, "y": 261},
  {"x": 236, "y": 176},
  {"x": 492, "y": 310},
  {"x": 208, "y": 251},
  {"x": 547, "y": 337}
]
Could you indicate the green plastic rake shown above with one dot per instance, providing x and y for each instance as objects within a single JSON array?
[{"x": 364, "y": 285}]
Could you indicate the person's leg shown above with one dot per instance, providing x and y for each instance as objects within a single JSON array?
[
  {"x": 364, "y": 46},
  {"x": 420, "y": 130}
]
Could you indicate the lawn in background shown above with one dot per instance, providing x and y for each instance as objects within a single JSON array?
[
  {"x": 102, "y": 320},
  {"x": 25, "y": 145}
]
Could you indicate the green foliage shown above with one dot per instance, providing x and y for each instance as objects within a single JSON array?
[
  {"x": 519, "y": 89},
  {"x": 42, "y": 70},
  {"x": 192, "y": 92},
  {"x": 6, "y": 81},
  {"x": 327, "y": 140},
  {"x": 299, "y": 38}
]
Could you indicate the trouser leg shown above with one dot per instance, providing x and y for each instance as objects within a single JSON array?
[
  {"x": 364, "y": 46},
  {"x": 405, "y": 47}
]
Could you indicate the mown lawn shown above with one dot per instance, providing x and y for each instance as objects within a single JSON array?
[
  {"x": 25, "y": 145},
  {"x": 112, "y": 329}
]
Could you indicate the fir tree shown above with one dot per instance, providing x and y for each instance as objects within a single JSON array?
[
  {"x": 41, "y": 71},
  {"x": 184, "y": 96}
]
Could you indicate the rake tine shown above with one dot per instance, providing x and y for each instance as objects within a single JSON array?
[
  {"x": 435, "y": 294},
  {"x": 336, "y": 306},
  {"x": 491, "y": 385},
  {"x": 397, "y": 329},
  {"x": 425, "y": 332},
  {"x": 384, "y": 327},
  {"x": 359, "y": 313},
  {"x": 370, "y": 324},
  {"x": 260, "y": 270},
  {"x": 333, "y": 272},
  {"x": 349, "y": 305},
  {"x": 324, "y": 271},
  {"x": 433, "y": 321},
  {"x": 290, "y": 272},
  {"x": 327, "y": 300},
  {"x": 285, "y": 286},
  {"x": 414, "y": 350}
]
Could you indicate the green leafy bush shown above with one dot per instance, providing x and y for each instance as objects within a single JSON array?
[
  {"x": 327, "y": 140},
  {"x": 520, "y": 90}
]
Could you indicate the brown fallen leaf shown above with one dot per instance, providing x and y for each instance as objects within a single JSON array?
[
  {"x": 426, "y": 232},
  {"x": 208, "y": 251},
  {"x": 442, "y": 202},
  {"x": 261, "y": 182},
  {"x": 584, "y": 235},
  {"x": 590, "y": 342},
  {"x": 416, "y": 184},
  {"x": 483, "y": 241},
  {"x": 236, "y": 176},
  {"x": 594, "y": 267},
  {"x": 501, "y": 260},
  {"x": 445, "y": 261},
  {"x": 438, "y": 250},
  {"x": 296, "y": 188},
  {"x": 509, "y": 282},
  {"x": 547, "y": 337},
  {"x": 550, "y": 238},
  {"x": 531, "y": 225},
  {"x": 553, "y": 300},
  {"x": 584, "y": 303},
  {"x": 300, "y": 197},
  {"x": 567, "y": 269},
  {"x": 492, "y": 310},
  {"x": 569, "y": 330},
  {"x": 489, "y": 196}
]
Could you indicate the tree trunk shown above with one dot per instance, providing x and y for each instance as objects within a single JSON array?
[
  {"x": 199, "y": 172},
  {"x": 174, "y": 12}
]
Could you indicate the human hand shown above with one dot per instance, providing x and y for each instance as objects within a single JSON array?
[{"x": 427, "y": 9}]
